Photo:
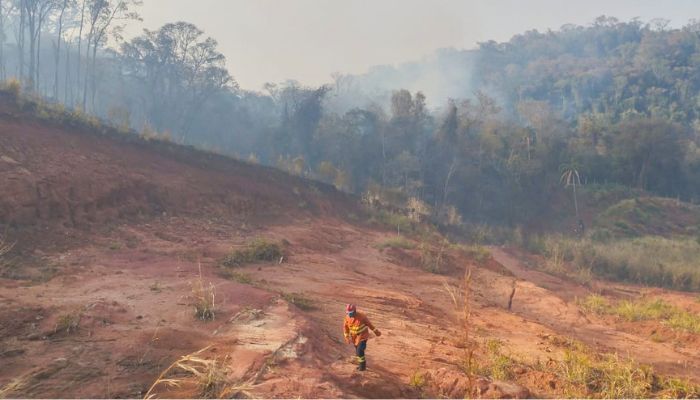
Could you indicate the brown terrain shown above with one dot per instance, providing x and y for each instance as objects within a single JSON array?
[{"x": 96, "y": 297}]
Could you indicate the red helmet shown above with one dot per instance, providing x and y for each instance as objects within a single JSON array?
[{"x": 350, "y": 308}]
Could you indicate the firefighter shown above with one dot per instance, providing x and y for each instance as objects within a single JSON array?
[{"x": 356, "y": 329}]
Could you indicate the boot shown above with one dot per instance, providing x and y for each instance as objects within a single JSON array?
[{"x": 362, "y": 366}]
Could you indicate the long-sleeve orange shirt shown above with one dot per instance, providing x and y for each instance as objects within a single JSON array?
[{"x": 357, "y": 327}]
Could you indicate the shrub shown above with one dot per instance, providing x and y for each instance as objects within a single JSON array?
[
  {"x": 400, "y": 223},
  {"x": 397, "y": 242},
  {"x": 13, "y": 87},
  {"x": 259, "y": 250},
  {"x": 480, "y": 254},
  {"x": 68, "y": 323}
]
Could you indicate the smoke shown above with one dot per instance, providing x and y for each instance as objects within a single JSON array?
[{"x": 446, "y": 73}]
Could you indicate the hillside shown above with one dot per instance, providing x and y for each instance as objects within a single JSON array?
[{"x": 119, "y": 240}]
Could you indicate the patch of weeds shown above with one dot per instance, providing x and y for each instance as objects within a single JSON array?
[
  {"x": 156, "y": 287},
  {"x": 115, "y": 246},
  {"x": 300, "y": 300},
  {"x": 595, "y": 304},
  {"x": 417, "y": 380},
  {"x": 587, "y": 374},
  {"x": 397, "y": 222},
  {"x": 479, "y": 253},
  {"x": 684, "y": 320},
  {"x": 397, "y": 242},
  {"x": 132, "y": 242},
  {"x": 676, "y": 388},
  {"x": 500, "y": 366},
  {"x": 68, "y": 323},
  {"x": 432, "y": 259},
  {"x": 259, "y": 250}
]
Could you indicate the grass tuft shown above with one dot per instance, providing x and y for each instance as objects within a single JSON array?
[
  {"x": 417, "y": 380},
  {"x": 239, "y": 277},
  {"x": 68, "y": 323},
  {"x": 300, "y": 300},
  {"x": 204, "y": 298}
]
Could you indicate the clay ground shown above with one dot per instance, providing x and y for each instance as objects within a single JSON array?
[
  {"x": 111, "y": 237},
  {"x": 137, "y": 317}
]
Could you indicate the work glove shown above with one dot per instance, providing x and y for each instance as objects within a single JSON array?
[{"x": 377, "y": 332}]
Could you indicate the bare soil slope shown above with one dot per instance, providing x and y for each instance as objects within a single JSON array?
[{"x": 96, "y": 299}]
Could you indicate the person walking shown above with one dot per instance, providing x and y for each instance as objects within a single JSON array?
[{"x": 356, "y": 329}]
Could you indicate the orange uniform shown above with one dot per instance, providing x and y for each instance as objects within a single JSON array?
[{"x": 357, "y": 328}]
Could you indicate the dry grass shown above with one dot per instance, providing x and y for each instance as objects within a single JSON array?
[
  {"x": 13, "y": 387},
  {"x": 586, "y": 373},
  {"x": 5, "y": 248},
  {"x": 204, "y": 298},
  {"x": 208, "y": 377},
  {"x": 417, "y": 380},
  {"x": 649, "y": 260}
]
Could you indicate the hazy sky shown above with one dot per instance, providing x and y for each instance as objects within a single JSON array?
[{"x": 307, "y": 40}]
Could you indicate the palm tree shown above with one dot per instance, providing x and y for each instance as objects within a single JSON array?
[{"x": 571, "y": 177}]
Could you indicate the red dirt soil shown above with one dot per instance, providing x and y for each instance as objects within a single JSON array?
[{"x": 114, "y": 234}]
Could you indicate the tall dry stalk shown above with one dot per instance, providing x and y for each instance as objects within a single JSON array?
[{"x": 461, "y": 299}]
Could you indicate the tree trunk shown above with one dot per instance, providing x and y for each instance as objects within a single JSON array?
[
  {"x": 93, "y": 84},
  {"x": 451, "y": 171},
  {"x": 80, "y": 42},
  {"x": 20, "y": 38},
  {"x": 2, "y": 43},
  {"x": 87, "y": 73},
  {"x": 58, "y": 49},
  {"x": 66, "y": 82},
  {"x": 38, "y": 57},
  {"x": 32, "y": 51},
  {"x": 575, "y": 201}
]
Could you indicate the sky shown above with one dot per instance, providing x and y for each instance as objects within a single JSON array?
[{"x": 308, "y": 40}]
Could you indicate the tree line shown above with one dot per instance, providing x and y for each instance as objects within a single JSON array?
[{"x": 617, "y": 102}]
